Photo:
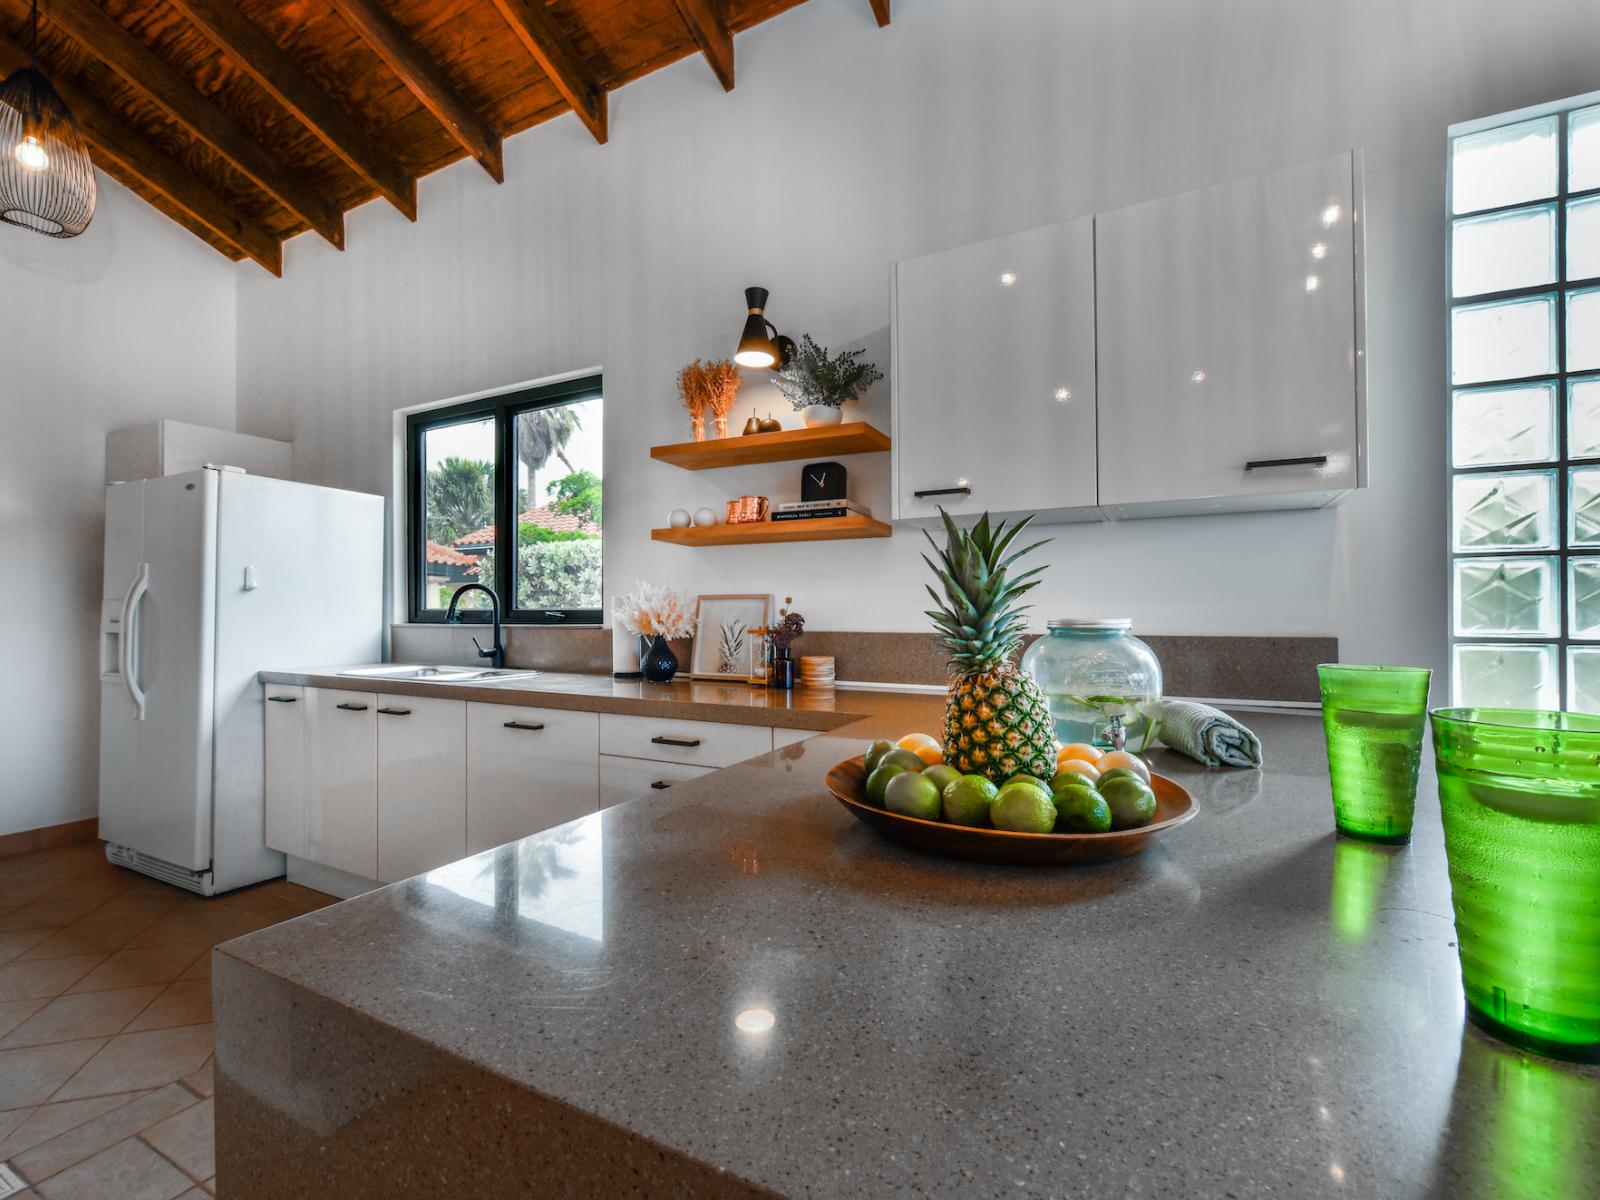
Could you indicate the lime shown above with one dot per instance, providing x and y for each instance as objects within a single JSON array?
[
  {"x": 1132, "y": 802},
  {"x": 902, "y": 758},
  {"x": 967, "y": 800},
  {"x": 879, "y": 780},
  {"x": 1023, "y": 808},
  {"x": 1081, "y": 810},
  {"x": 875, "y": 753},
  {"x": 1124, "y": 772},
  {"x": 1033, "y": 779},
  {"x": 913, "y": 795},
  {"x": 1071, "y": 779},
  {"x": 942, "y": 774}
]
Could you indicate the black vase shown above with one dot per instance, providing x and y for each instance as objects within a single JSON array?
[
  {"x": 658, "y": 663},
  {"x": 782, "y": 669}
]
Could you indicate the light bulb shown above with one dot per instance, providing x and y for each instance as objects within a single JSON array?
[
  {"x": 754, "y": 358},
  {"x": 30, "y": 153}
]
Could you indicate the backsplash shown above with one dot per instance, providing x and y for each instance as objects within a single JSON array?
[{"x": 1226, "y": 668}]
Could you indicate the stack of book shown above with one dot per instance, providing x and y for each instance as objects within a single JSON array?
[{"x": 807, "y": 510}]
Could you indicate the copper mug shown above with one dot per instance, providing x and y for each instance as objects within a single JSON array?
[{"x": 747, "y": 510}]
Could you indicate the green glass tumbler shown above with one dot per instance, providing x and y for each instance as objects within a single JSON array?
[
  {"x": 1519, "y": 792},
  {"x": 1374, "y": 719}
]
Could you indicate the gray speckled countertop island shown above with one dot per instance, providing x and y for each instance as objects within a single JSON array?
[{"x": 1251, "y": 1008}]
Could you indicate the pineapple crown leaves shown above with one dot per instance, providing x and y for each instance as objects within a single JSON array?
[{"x": 978, "y": 613}]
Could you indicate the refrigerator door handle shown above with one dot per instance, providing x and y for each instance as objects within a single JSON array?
[{"x": 130, "y": 634}]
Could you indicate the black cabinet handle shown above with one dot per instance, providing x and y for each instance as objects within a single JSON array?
[
  {"x": 524, "y": 725},
  {"x": 660, "y": 785},
  {"x": 952, "y": 491},
  {"x": 284, "y": 699},
  {"x": 394, "y": 712},
  {"x": 686, "y": 743},
  {"x": 352, "y": 707},
  {"x": 1311, "y": 460}
]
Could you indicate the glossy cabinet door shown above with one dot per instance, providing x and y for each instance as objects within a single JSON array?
[
  {"x": 422, "y": 784},
  {"x": 341, "y": 780},
  {"x": 624, "y": 779},
  {"x": 994, "y": 376},
  {"x": 285, "y": 768},
  {"x": 528, "y": 769},
  {"x": 1228, "y": 342}
]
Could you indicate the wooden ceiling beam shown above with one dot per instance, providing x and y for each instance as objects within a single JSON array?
[
  {"x": 113, "y": 140},
  {"x": 426, "y": 80},
  {"x": 135, "y": 62},
  {"x": 536, "y": 29},
  {"x": 266, "y": 63},
  {"x": 712, "y": 34},
  {"x": 880, "y": 9}
]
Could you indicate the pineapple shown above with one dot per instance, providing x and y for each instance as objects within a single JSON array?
[{"x": 997, "y": 720}]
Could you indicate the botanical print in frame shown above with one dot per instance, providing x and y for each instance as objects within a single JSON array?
[{"x": 724, "y": 644}]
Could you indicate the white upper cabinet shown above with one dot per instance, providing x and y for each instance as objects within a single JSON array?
[
  {"x": 1229, "y": 340},
  {"x": 994, "y": 376}
]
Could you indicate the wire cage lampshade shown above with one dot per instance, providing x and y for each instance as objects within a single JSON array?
[{"x": 46, "y": 180}]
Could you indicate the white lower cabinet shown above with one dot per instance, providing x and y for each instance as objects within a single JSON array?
[
  {"x": 528, "y": 769},
  {"x": 693, "y": 743},
  {"x": 422, "y": 785},
  {"x": 285, "y": 768},
  {"x": 624, "y": 779},
  {"x": 341, "y": 780},
  {"x": 789, "y": 737}
]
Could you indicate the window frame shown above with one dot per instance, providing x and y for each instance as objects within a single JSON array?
[
  {"x": 1561, "y": 463},
  {"x": 504, "y": 407}
]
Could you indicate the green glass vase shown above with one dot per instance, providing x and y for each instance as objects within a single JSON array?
[
  {"x": 1519, "y": 793},
  {"x": 1374, "y": 719}
]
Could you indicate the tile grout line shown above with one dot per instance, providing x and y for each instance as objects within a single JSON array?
[{"x": 156, "y": 1150}]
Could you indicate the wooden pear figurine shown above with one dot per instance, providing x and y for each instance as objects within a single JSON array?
[{"x": 770, "y": 425}]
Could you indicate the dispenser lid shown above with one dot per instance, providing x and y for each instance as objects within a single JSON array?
[{"x": 1108, "y": 624}]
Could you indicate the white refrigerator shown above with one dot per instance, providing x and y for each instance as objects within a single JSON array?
[{"x": 210, "y": 577}]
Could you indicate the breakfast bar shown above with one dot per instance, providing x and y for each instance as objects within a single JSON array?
[{"x": 734, "y": 989}]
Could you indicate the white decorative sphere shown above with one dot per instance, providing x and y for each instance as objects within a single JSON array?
[
  {"x": 705, "y": 516},
  {"x": 679, "y": 518}
]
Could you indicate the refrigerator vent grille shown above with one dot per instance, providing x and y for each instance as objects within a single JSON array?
[{"x": 198, "y": 882}]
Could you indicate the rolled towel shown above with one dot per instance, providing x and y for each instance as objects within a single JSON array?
[{"x": 1207, "y": 735}]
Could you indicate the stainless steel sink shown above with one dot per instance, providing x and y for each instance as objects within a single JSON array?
[{"x": 443, "y": 674}]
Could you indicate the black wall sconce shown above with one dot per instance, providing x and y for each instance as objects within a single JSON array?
[{"x": 761, "y": 345}]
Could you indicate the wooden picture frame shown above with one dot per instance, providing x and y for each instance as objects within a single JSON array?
[{"x": 723, "y": 648}]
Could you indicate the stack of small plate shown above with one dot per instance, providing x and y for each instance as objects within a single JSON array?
[{"x": 816, "y": 670}]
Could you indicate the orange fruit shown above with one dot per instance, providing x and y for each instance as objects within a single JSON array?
[
  {"x": 1081, "y": 751},
  {"x": 1086, "y": 769},
  {"x": 924, "y": 747},
  {"x": 1121, "y": 758}
]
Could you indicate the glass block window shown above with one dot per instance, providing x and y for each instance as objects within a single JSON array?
[{"x": 1524, "y": 409}]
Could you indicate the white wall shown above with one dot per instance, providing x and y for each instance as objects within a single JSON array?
[
  {"x": 845, "y": 147},
  {"x": 131, "y": 321}
]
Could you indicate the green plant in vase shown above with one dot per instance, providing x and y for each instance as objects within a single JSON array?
[{"x": 818, "y": 384}]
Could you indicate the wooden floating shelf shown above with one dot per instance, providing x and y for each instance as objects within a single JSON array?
[
  {"x": 853, "y": 437},
  {"x": 821, "y": 529}
]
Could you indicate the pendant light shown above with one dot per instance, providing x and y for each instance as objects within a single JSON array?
[
  {"x": 46, "y": 180},
  {"x": 760, "y": 344}
]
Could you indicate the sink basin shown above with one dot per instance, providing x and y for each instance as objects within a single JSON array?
[{"x": 414, "y": 674}]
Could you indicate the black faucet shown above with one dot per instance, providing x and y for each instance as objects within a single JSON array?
[{"x": 496, "y": 654}]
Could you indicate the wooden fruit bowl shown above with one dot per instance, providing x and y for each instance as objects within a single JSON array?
[{"x": 1174, "y": 806}]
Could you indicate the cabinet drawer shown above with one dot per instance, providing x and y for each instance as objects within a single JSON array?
[
  {"x": 528, "y": 769},
  {"x": 285, "y": 768},
  {"x": 624, "y": 779},
  {"x": 695, "y": 743}
]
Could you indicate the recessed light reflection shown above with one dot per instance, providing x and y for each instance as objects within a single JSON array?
[
  {"x": 1319, "y": 251},
  {"x": 1312, "y": 283},
  {"x": 963, "y": 482},
  {"x": 1337, "y": 1172},
  {"x": 1009, "y": 278},
  {"x": 1063, "y": 394},
  {"x": 1198, "y": 377},
  {"x": 755, "y": 1020},
  {"x": 1330, "y": 215}
]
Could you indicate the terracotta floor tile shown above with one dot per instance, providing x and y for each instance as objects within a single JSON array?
[
  {"x": 85, "y": 1015},
  {"x": 44, "y": 976},
  {"x": 51, "y": 1120},
  {"x": 139, "y": 1060},
  {"x": 186, "y": 1002},
  {"x": 15, "y": 1012},
  {"x": 188, "y": 1140},
  {"x": 130, "y": 1170},
  {"x": 86, "y": 936},
  {"x": 9, "y": 1121},
  {"x": 199, "y": 969},
  {"x": 20, "y": 941},
  {"x": 216, "y": 923},
  {"x": 203, "y": 1082},
  {"x": 91, "y": 1137},
  {"x": 131, "y": 967},
  {"x": 31, "y": 1075},
  {"x": 52, "y": 912},
  {"x": 139, "y": 907}
]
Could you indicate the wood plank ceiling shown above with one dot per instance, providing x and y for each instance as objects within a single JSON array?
[{"x": 250, "y": 121}]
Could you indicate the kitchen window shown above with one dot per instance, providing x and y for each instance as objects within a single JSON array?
[
  {"x": 1523, "y": 286},
  {"x": 506, "y": 491}
]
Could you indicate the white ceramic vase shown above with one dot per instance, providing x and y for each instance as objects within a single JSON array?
[{"x": 821, "y": 414}]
